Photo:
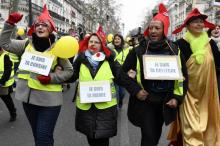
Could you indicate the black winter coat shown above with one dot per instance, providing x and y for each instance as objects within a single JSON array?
[
  {"x": 97, "y": 123},
  {"x": 136, "y": 107},
  {"x": 7, "y": 70}
]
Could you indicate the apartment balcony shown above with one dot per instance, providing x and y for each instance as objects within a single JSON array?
[{"x": 189, "y": 8}]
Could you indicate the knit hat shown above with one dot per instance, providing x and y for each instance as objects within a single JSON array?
[
  {"x": 194, "y": 14},
  {"x": 83, "y": 45},
  {"x": 45, "y": 18},
  {"x": 162, "y": 16}
]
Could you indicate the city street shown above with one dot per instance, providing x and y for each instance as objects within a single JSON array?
[{"x": 19, "y": 132}]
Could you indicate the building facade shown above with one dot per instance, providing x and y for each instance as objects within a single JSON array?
[
  {"x": 178, "y": 10},
  {"x": 67, "y": 14}
]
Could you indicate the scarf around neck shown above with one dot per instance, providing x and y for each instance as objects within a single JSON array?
[
  {"x": 93, "y": 63},
  {"x": 197, "y": 45},
  {"x": 157, "y": 46},
  {"x": 41, "y": 44}
]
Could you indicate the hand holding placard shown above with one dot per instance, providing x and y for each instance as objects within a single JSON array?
[{"x": 44, "y": 79}]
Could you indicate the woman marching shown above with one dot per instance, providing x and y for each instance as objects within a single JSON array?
[
  {"x": 200, "y": 112},
  {"x": 41, "y": 95},
  {"x": 164, "y": 96},
  {"x": 98, "y": 120},
  {"x": 121, "y": 52}
]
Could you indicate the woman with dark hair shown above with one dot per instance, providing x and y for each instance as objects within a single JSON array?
[
  {"x": 163, "y": 95},
  {"x": 41, "y": 95},
  {"x": 95, "y": 62},
  {"x": 200, "y": 112},
  {"x": 121, "y": 52}
]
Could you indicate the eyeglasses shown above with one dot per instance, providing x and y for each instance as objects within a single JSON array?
[
  {"x": 197, "y": 21},
  {"x": 94, "y": 42},
  {"x": 41, "y": 24}
]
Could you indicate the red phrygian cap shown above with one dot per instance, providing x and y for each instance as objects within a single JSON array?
[
  {"x": 163, "y": 17},
  {"x": 83, "y": 45},
  {"x": 44, "y": 17},
  {"x": 194, "y": 13}
]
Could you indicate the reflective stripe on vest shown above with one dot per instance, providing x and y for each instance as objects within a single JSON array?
[
  {"x": 22, "y": 74},
  {"x": 178, "y": 84},
  {"x": 104, "y": 74},
  {"x": 33, "y": 82},
  {"x": 11, "y": 79},
  {"x": 14, "y": 57},
  {"x": 120, "y": 57}
]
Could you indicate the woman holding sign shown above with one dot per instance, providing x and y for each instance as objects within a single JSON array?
[
  {"x": 41, "y": 93},
  {"x": 166, "y": 93},
  {"x": 200, "y": 112},
  {"x": 96, "y": 103}
]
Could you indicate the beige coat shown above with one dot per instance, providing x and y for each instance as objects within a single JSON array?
[{"x": 23, "y": 92}]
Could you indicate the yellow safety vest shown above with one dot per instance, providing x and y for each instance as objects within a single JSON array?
[
  {"x": 178, "y": 84},
  {"x": 13, "y": 57},
  {"x": 120, "y": 57},
  {"x": 33, "y": 82},
  {"x": 11, "y": 79},
  {"x": 103, "y": 74}
]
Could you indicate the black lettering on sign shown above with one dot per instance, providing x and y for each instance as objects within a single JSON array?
[
  {"x": 156, "y": 64},
  {"x": 90, "y": 89},
  {"x": 164, "y": 65},
  {"x": 27, "y": 62},
  {"x": 152, "y": 70},
  {"x": 38, "y": 65},
  {"x": 98, "y": 94},
  {"x": 89, "y": 95},
  {"x": 98, "y": 89},
  {"x": 40, "y": 59},
  {"x": 33, "y": 57}
]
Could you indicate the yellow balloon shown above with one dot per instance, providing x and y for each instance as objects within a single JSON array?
[
  {"x": 128, "y": 39},
  {"x": 20, "y": 31},
  {"x": 110, "y": 37},
  {"x": 65, "y": 47}
]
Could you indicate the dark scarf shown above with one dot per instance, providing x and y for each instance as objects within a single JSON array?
[
  {"x": 118, "y": 48},
  {"x": 42, "y": 44},
  {"x": 156, "y": 46}
]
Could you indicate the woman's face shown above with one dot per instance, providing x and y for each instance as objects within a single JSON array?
[
  {"x": 94, "y": 44},
  {"x": 42, "y": 29},
  {"x": 216, "y": 32},
  {"x": 196, "y": 26},
  {"x": 156, "y": 30},
  {"x": 117, "y": 41}
]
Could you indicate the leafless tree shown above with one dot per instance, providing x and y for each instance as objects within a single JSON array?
[{"x": 101, "y": 12}]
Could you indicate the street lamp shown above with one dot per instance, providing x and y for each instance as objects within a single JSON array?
[{"x": 30, "y": 13}]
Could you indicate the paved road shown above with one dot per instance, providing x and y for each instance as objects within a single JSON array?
[{"x": 19, "y": 132}]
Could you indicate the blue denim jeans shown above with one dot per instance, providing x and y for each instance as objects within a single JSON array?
[{"x": 42, "y": 121}]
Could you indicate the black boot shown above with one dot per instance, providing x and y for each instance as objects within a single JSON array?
[{"x": 13, "y": 117}]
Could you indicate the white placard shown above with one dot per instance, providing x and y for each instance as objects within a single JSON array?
[
  {"x": 95, "y": 91},
  {"x": 161, "y": 67},
  {"x": 36, "y": 62}
]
